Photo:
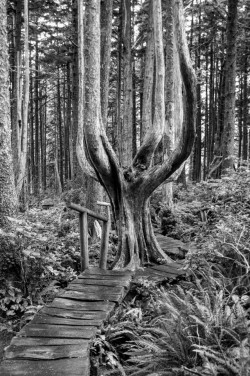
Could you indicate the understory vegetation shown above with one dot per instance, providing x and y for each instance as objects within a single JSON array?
[
  {"x": 195, "y": 325},
  {"x": 198, "y": 325}
]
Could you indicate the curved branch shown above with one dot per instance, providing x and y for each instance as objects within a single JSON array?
[
  {"x": 154, "y": 134},
  {"x": 94, "y": 131},
  {"x": 158, "y": 174},
  {"x": 148, "y": 77},
  {"x": 81, "y": 150}
]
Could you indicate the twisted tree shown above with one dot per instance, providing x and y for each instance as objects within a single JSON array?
[{"x": 129, "y": 188}]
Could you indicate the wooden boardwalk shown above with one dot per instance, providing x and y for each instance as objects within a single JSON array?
[{"x": 57, "y": 341}]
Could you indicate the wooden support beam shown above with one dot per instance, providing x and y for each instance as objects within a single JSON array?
[
  {"x": 83, "y": 224},
  {"x": 105, "y": 237}
]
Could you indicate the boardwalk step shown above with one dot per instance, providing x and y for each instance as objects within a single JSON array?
[
  {"x": 46, "y": 352},
  {"x": 54, "y": 331},
  {"x": 101, "y": 282},
  {"x": 60, "y": 367},
  {"x": 67, "y": 313},
  {"x": 51, "y": 320},
  {"x": 92, "y": 296},
  {"x": 39, "y": 341},
  {"x": 82, "y": 306}
]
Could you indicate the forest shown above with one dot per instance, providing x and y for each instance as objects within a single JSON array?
[{"x": 143, "y": 107}]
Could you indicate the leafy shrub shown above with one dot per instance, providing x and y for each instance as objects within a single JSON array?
[
  {"x": 12, "y": 302},
  {"x": 10, "y": 267}
]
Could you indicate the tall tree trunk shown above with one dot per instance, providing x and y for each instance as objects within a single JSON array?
[
  {"x": 68, "y": 126},
  {"x": 245, "y": 105},
  {"x": 127, "y": 132},
  {"x": 118, "y": 130},
  {"x": 44, "y": 172},
  {"x": 77, "y": 112},
  {"x": 36, "y": 99},
  {"x": 106, "y": 30},
  {"x": 32, "y": 147},
  {"x": 8, "y": 198},
  {"x": 230, "y": 75},
  {"x": 205, "y": 164},
  {"x": 147, "y": 108},
  {"x": 41, "y": 133},
  {"x": 196, "y": 168},
  {"x": 17, "y": 89},
  {"x": 240, "y": 117},
  {"x": 60, "y": 127},
  {"x": 22, "y": 157},
  {"x": 173, "y": 96}
]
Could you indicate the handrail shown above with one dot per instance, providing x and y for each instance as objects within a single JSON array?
[
  {"x": 81, "y": 209},
  {"x": 83, "y": 226}
]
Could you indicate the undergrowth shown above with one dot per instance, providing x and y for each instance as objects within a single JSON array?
[
  {"x": 39, "y": 256},
  {"x": 199, "y": 326}
]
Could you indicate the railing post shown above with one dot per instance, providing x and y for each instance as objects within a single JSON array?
[
  {"x": 83, "y": 224},
  {"x": 105, "y": 237}
]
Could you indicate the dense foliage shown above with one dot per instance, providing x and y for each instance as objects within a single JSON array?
[{"x": 198, "y": 325}]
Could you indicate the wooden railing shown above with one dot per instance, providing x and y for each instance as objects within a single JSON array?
[{"x": 83, "y": 225}]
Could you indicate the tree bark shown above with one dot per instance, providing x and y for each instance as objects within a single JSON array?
[
  {"x": 126, "y": 139},
  {"x": 60, "y": 128},
  {"x": 17, "y": 88},
  {"x": 245, "y": 105},
  {"x": 8, "y": 198},
  {"x": 230, "y": 75},
  {"x": 147, "y": 113},
  {"x": 173, "y": 96},
  {"x": 37, "y": 151},
  {"x": 106, "y": 31},
  {"x": 23, "y": 135}
]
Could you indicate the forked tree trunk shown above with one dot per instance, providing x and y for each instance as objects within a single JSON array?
[{"x": 130, "y": 188}]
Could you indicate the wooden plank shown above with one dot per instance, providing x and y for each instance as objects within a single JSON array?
[
  {"x": 95, "y": 289},
  {"x": 101, "y": 277},
  {"x": 46, "y": 352},
  {"x": 54, "y": 331},
  {"x": 45, "y": 319},
  {"x": 101, "y": 282},
  {"x": 39, "y": 341},
  {"x": 95, "y": 270},
  {"x": 70, "y": 314},
  {"x": 81, "y": 306},
  {"x": 91, "y": 296},
  {"x": 60, "y": 367}
]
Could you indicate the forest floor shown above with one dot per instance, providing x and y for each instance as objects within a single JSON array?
[{"x": 41, "y": 255}]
